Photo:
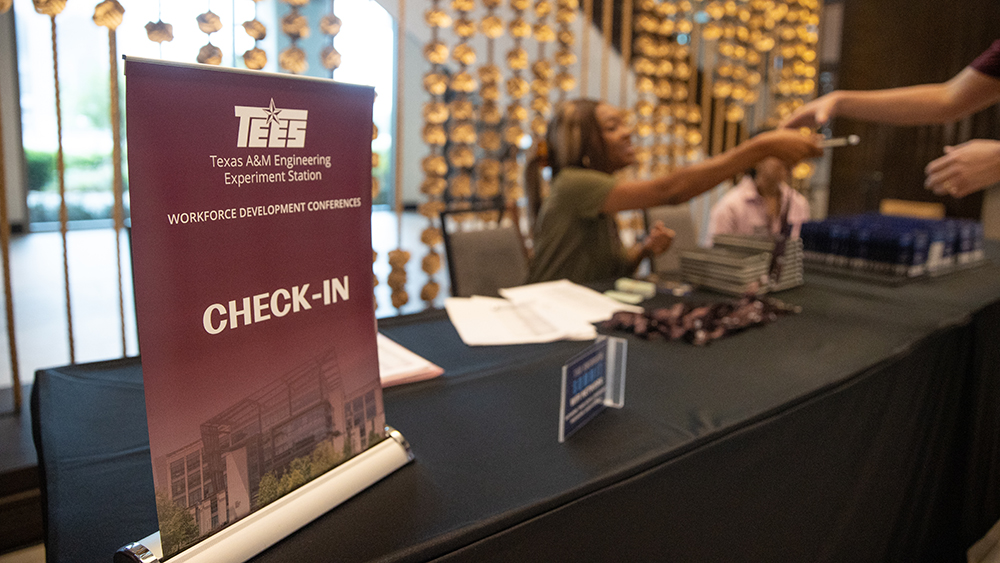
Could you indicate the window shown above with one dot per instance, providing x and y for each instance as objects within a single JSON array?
[
  {"x": 177, "y": 489},
  {"x": 177, "y": 469},
  {"x": 193, "y": 461},
  {"x": 366, "y": 42}
]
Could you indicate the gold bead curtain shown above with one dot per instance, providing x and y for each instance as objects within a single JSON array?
[{"x": 709, "y": 73}]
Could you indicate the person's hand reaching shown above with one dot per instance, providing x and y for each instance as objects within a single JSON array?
[{"x": 965, "y": 168}]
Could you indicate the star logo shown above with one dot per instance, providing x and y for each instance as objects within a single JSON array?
[
  {"x": 272, "y": 113},
  {"x": 270, "y": 126}
]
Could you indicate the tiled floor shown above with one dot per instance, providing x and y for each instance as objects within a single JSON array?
[
  {"x": 33, "y": 554},
  {"x": 40, "y": 313}
]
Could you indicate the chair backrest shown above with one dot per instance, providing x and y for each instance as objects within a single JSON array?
[
  {"x": 480, "y": 262},
  {"x": 678, "y": 218}
]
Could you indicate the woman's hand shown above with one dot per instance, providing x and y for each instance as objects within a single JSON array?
[
  {"x": 658, "y": 240},
  {"x": 786, "y": 144},
  {"x": 965, "y": 168}
]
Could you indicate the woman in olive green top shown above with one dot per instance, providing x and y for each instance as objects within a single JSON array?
[{"x": 576, "y": 236}]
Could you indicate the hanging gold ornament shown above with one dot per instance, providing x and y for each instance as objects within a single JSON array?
[
  {"x": 397, "y": 277},
  {"x": 210, "y": 54},
  {"x": 464, "y": 133},
  {"x": 431, "y": 236},
  {"x": 461, "y": 185},
  {"x": 49, "y": 7},
  {"x": 431, "y": 209},
  {"x": 565, "y": 57},
  {"x": 464, "y": 54},
  {"x": 159, "y": 32},
  {"x": 487, "y": 188},
  {"x": 492, "y": 27},
  {"x": 330, "y": 57},
  {"x": 489, "y": 168},
  {"x": 540, "y": 87},
  {"x": 517, "y": 87},
  {"x": 436, "y": 52},
  {"x": 565, "y": 81},
  {"x": 295, "y": 25},
  {"x": 542, "y": 69},
  {"x": 464, "y": 27},
  {"x": 463, "y": 82},
  {"x": 435, "y": 112},
  {"x": 330, "y": 25},
  {"x": 489, "y": 73},
  {"x": 255, "y": 58},
  {"x": 431, "y": 262},
  {"x": 255, "y": 29},
  {"x": 489, "y": 92},
  {"x": 462, "y": 110},
  {"x": 513, "y": 133},
  {"x": 541, "y": 104},
  {"x": 520, "y": 28},
  {"x": 107, "y": 14},
  {"x": 430, "y": 291},
  {"x": 461, "y": 156},
  {"x": 209, "y": 22},
  {"x": 544, "y": 33},
  {"x": 434, "y": 135},
  {"x": 565, "y": 16},
  {"x": 735, "y": 113},
  {"x": 435, "y": 165},
  {"x": 433, "y": 186},
  {"x": 517, "y": 59},
  {"x": 490, "y": 113},
  {"x": 293, "y": 59},
  {"x": 436, "y": 84}
]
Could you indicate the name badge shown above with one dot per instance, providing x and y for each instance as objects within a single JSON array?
[{"x": 591, "y": 381}]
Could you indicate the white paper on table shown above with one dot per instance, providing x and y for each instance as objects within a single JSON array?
[
  {"x": 490, "y": 321},
  {"x": 569, "y": 298},
  {"x": 571, "y": 325},
  {"x": 397, "y": 364}
]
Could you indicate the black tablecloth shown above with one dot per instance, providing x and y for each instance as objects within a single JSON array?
[{"x": 866, "y": 428}]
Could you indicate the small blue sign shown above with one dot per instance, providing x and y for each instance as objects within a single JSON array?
[{"x": 588, "y": 386}]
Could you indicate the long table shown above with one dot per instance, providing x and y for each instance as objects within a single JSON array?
[{"x": 866, "y": 428}]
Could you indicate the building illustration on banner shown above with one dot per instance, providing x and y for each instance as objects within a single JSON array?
[{"x": 304, "y": 415}]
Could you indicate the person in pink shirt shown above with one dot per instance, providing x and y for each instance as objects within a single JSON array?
[{"x": 757, "y": 204}]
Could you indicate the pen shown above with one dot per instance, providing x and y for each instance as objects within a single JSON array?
[{"x": 840, "y": 141}]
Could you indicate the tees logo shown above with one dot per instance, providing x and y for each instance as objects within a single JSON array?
[{"x": 271, "y": 127}]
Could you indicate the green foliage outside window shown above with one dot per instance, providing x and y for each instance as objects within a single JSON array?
[
  {"x": 302, "y": 470},
  {"x": 177, "y": 526}
]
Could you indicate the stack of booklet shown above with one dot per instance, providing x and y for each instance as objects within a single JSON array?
[
  {"x": 737, "y": 265},
  {"x": 791, "y": 272}
]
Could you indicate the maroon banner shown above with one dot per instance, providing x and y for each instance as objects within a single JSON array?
[{"x": 251, "y": 231}]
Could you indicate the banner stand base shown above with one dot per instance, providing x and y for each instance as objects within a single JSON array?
[{"x": 261, "y": 529}]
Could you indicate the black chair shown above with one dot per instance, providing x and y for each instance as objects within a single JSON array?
[{"x": 484, "y": 260}]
